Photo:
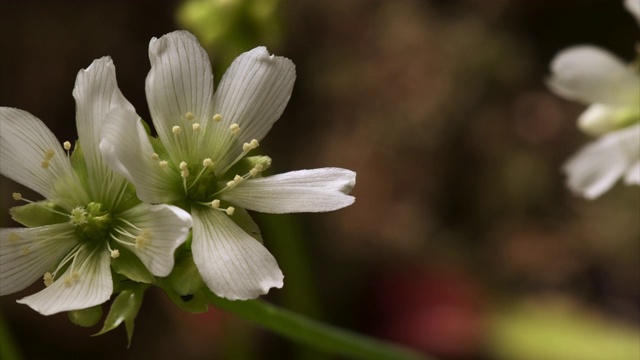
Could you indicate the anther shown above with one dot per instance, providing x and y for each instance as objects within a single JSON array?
[
  {"x": 176, "y": 130},
  {"x": 207, "y": 162},
  {"x": 254, "y": 143},
  {"x": 66, "y": 145},
  {"x": 155, "y": 157},
  {"x": 235, "y": 128},
  {"x": 196, "y": 127},
  {"x": 238, "y": 179},
  {"x": 163, "y": 164},
  {"x": 75, "y": 275},
  {"x": 17, "y": 196},
  {"x": 217, "y": 117},
  {"x": 189, "y": 115},
  {"x": 183, "y": 165},
  {"x": 26, "y": 250},
  {"x": 215, "y": 204},
  {"x": 231, "y": 184},
  {"x": 230, "y": 210},
  {"x": 48, "y": 279},
  {"x": 114, "y": 253}
]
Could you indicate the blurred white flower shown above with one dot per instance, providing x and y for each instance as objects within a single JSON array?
[
  {"x": 199, "y": 161},
  {"x": 91, "y": 213},
  {"x": 611, "y": 88}
]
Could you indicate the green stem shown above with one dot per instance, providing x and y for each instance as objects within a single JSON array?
[{"x": 313, "y": 333}]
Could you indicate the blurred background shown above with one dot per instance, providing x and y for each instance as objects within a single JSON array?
[{"x": 463, "y": 242}]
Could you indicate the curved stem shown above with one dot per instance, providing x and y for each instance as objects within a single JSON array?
[{"x": 313, "y": 333}]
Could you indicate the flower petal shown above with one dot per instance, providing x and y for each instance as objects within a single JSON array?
[
  {"x": 96, "y": 92},
  {"x": 180, "y": 82},
  {"x": 87, "y": 284},
  {"x": 316, "y": 190},
  {"x": 31, "y": 155},
  {"x": 600, "y": 119},
  {"x": 599, "y": 164},
  {"x": 126, "y": 148},
  {"x": 593, "y": 75},
  {"x": 232, "y": 263},
  {"x": 253, "y": 94},
  {"x": 632, "y": 177},
  {"x": 27, "y": 253},
  {"x": 633, "y": 6},
  {"x": 167, "y": 226}
]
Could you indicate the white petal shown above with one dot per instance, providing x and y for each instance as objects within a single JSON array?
[
  {"x": 593, "y": 75},
  {"x": 599, "y": 164},
  {"x": 27, "y": 253},
  {"x": 96, "y": 92},
  {"x": 180, "y": 82},
  {"x": 168, "y": 228},
  {"x": 316, "y": 190},
  {"x": 93, "y": 285},
  {"x": 253, "y": 94},
  {"x": 232, "y": 263},
  {"x": 24, "y": 143},
  {"x": 632, "y": 177},
  {"x": 633, "y": 6},
  {"x": 600, "y": 119},
  {"x": 126, "y": 148}
]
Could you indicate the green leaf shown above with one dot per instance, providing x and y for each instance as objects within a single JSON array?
[
  {"x": 125, "y": 308},
  {"x": 36, "y": 214},
  {"x": 129, "y": 265},
  {"x": 86, "y": 317}
]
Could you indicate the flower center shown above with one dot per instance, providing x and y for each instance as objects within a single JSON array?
[{"x": 92, "y": 223}]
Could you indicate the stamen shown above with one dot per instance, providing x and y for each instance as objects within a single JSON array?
[
  {"x": 235, "y": 128},
  {"x": 230, "y": 210},
  {"x": 238, "y": 179},
  {"x": 207, "y": 162},
  {"x": 114, "y": 253},
  {"x": 189, "y": 115},
  {"x": 155, "y": 157},
  {"x": 231, "y": 184},
  {"x": 196, "y": 127},
  {"x": 142, "y": 239},
  {"x": 184, "y": 171},
  {"x": 215, "y": 204},
  {"x": 17, "y": 196},
  {"x": 163, "y": 164},
  {"x": 176, "y": 130},
  {"x": 48, "y": 279},
  {"x": 217, "y": 117},
  {"x": 66, "y": 145}
]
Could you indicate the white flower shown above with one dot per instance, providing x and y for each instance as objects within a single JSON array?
[
  {"x": 91, "y": 213},
  {"x": 201, "y": 161},
  {"x": 611, "y": 88}
]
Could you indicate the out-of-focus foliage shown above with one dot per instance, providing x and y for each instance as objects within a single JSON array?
[{"x": 227, "y": 28}]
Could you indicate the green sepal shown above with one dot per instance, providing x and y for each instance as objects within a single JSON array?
[
  {"x": 86, "y": 317},
  {"x": 194, "y": 303},
  {"x": 38, "y": 214},
  {"x": 242, "y": 218},
  {"x": 129, "y": 265},
  {"x": 78, "y": 163},
  {"x": 125, "y": 308},
  {"x": 185, "y": 278}
]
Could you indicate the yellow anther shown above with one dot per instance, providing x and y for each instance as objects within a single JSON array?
[
  {"x": 184, "y": 173},
  {"x": 189, "y": 116},
  {"x": 114, "y": 253},
  {"x": 238, "y": 179},
  {"x": 215, "y": 204},
  {"x": 68, "y": 281},
  {"x": 142, "y": 239},
  {"x": 48, "y": 278},
  {"x": 26, "y": 250},
  {"x": 254, "y": 143},
  {"x": 155, "y": 157},
  {"x": 13, "y": 237},
  {"x": 75, "y": 275},
  {"x": 66, "y": 145},
  {"x": 231, "y": 184},
  {"x": 196, "y": 127},
  {"x": 183, "y": 165},
  {"x": 176, "y": 130},
  {"x": 230, "y": 210},
  {"x": 217, "y": 117},
  {"x": 207, "y": 162},
  {"x": 17, "y": 196},
  {"x": 49, "y": 154},
  {"x": 163, "y": 164},
  {"x": 235, "y": 128},
  {"x": 246, "y": 147},
  {"x": 45, "y": 164}
]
